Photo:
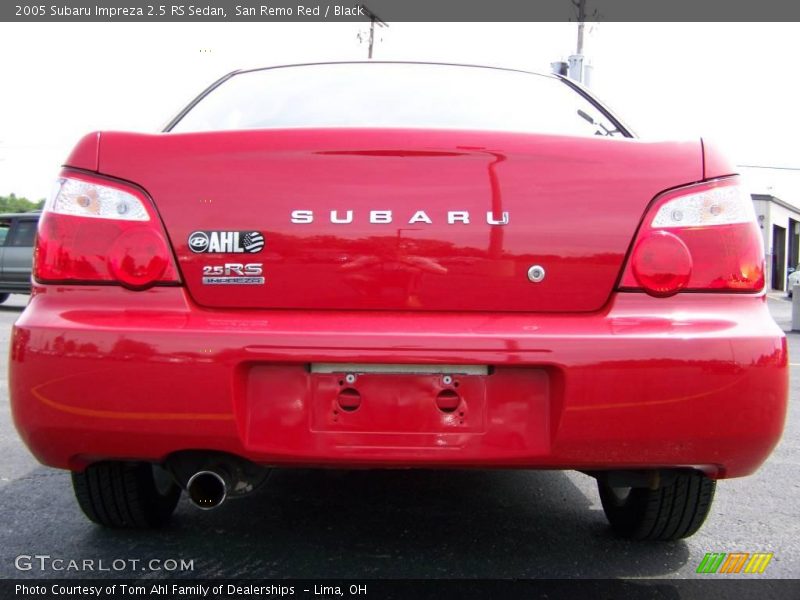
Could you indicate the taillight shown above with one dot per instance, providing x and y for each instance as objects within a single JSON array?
[
  {"x": 703, "y": 237},
  {"x": 97, "y": 230}
]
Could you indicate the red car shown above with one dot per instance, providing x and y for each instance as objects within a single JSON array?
[{"x": 398, "y": 265}]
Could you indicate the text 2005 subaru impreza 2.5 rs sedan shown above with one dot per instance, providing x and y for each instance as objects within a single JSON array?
[{"x": 398, "y": 265}]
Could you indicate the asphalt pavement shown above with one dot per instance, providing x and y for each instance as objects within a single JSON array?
[{"x": 392, "y": 524}]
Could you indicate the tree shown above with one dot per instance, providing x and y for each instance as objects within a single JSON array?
[{"x": 12, "y": 204}]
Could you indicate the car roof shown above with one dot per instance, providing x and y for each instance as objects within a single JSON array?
[
  {"x": 33, "y": 213},
  {"x": 394, "y": 62}
]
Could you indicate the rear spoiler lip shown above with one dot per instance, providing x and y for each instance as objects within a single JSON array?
[
  {"x": 716, "y": 163},
  {"x": 86, "y": 153}
]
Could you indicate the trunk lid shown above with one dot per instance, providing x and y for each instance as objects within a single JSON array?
[{"x": 417, "y": 217}]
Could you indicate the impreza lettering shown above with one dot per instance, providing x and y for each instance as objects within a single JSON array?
[
  {"x": 234, "y": 274},
  {"x": 113, "y": 12}
]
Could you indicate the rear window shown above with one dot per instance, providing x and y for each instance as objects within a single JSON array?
[
  {"x": 5, "y": 227},
  {"x": 386, "y": 95},
  {"x": 24, "y": 233}
]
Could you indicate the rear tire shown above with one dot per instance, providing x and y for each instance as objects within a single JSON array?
[
  {"x": 4, "y": 297},
  {"x": 126, "y": 495},
  {"x": 668, "y": 513}
]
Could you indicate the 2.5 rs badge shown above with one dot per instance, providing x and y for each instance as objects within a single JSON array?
[
  {"x": 226, "y": 242},
  {"x": 234, "y": 274}
]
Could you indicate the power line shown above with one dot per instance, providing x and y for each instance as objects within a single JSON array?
[{"x": 769, "y": 167}]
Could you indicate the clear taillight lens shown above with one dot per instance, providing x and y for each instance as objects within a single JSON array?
[
  {"x": 83, "y": 198},
  {"x": 97, "y": 230},
  {"x": 700, "y": 238}
]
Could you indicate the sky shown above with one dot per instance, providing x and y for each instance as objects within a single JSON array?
[{"x": 735, "y": 83}]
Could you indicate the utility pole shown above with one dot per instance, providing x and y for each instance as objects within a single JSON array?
[
  {"x": 371, "y": 35},
  {"x": 578, "y": 69},
  {"x": 581, "y": 6},
  {"x": 373, "y": 20}
]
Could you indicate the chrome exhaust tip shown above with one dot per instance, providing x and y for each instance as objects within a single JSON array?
[{"x": 207, "y": 489}]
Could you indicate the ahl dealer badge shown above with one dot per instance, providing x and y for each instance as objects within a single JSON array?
[{"x": 226, "y": 242}]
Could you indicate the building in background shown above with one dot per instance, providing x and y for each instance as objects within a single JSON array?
[{"x": 779, "y": 221}]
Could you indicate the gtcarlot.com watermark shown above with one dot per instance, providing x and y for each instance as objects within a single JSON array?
[{"x": 48, "y": 563}]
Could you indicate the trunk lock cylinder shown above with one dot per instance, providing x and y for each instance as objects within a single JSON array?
[{"x": 536, "y": 273}]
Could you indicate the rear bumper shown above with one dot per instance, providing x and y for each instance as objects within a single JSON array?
[{"x": 691, "y": 381}]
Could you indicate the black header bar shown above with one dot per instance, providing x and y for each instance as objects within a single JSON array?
[
  {"x": 710, "y": 588},
  {"x": 388, "y": 11}
]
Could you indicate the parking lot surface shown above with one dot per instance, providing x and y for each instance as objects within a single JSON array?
[{"x": 395, "y": 524}]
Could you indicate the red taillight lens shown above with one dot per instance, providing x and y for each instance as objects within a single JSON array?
[
  {"x": 702, "y": 237},
  {"x": 95, "y": 230},
  {"x": 661, "y": 263}
]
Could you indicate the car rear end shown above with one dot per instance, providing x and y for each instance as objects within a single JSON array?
[{"x": 400, "y": 265}]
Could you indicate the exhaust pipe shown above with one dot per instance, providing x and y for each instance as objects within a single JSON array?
[
  {"x": 211, "y": 477},
  {"x": 207, "y": 489}
]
